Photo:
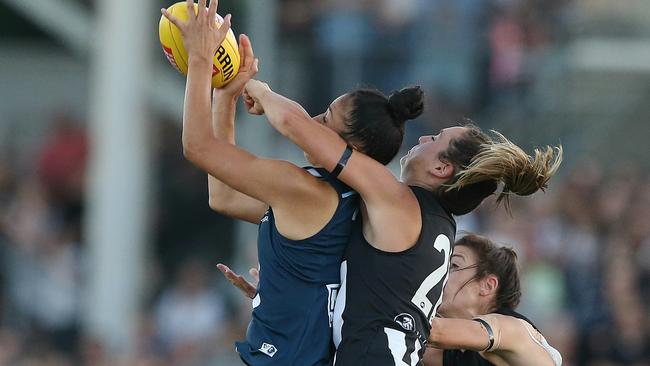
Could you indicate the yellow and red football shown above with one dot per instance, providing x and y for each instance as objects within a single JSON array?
[{"x": 226, "y": 61}]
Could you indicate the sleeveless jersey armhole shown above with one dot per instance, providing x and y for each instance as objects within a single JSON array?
[{"x": 552, "y": 352}]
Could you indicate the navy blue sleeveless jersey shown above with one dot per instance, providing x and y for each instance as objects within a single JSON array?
[
  {"x": 299, "y": 280},
  {"x": 387, "y": 300}
]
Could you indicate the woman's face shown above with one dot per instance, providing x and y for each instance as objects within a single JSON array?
[
  {"x": 461, "y": 295},
  {"x": 425, "y": 155},
  {"x": 334, "y": 118}
]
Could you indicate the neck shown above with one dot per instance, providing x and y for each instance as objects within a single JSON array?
[
  {"x": 422, "y": 183},
  {"x": 486, "y": 308}
]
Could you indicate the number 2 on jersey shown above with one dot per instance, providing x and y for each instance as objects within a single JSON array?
[{"x": 420, "y": 299}]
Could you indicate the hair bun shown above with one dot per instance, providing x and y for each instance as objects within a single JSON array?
[{"x": 407, "y": 103}]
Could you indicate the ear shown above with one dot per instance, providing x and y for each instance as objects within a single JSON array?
[
  {"x": 442, "y": 169},
  {"x": 488, "y": 285}
]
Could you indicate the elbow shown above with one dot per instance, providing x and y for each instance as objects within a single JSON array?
[
  {"x": 191, "y": 150},
  {"x": 189, "y": 154},
  {"x": 217, "y": 205},
  {"x": 286, "y": 123}
]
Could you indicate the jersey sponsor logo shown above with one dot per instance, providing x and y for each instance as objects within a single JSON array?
[
  {"x": 268, "y": 349},
  {"x": 406, "y": 321}
]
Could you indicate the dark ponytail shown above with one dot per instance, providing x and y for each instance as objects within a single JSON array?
[
  {"x": 376, "y": 122},
  {"x": 498, "y": 261}
]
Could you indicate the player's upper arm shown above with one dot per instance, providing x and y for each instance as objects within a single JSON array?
[
  {"x": 271, "y": 181},
  {"x": 227, "y": 201}
]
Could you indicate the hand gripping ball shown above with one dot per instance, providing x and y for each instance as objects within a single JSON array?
[{"x": 226, "y": 61}]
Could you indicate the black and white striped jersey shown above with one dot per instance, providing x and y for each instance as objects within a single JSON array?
[{"x": 387, "y": 300}]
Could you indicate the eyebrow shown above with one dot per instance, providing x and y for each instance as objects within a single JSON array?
[{"x": 458, "y": 255}]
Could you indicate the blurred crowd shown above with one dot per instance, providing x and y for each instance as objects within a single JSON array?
[
  {"x": 584, "y": 249},
  {"x": 584, "y": 245}
]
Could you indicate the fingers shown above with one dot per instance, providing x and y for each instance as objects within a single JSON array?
[
  {"x": 212, "y": 12},
  {"x": 201, "y": 7},
  {"x": 246, "y": 51},
  {"x": 255, "y": 274},
  {"x": 190, "y": 9},
  {"x": 230, "y": 275},
  {"x": 175, "y": 21},
  {"x": 225, "y": 27},
  {"x": 242, "y": 54},
  {"x": 255, "y": 68},
  {"x": 223, "y": 268}
]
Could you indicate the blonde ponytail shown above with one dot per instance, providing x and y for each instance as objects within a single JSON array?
[{"x": 501, "y": 160}]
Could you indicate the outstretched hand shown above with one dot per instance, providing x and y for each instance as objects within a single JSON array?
[
  {"x": 247, "y": 288},
  {"x": 247, "y": 70},
  {"x": 202, "y": 35}
]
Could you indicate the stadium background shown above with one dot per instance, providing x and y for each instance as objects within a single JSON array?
[{"x": 107, "y": 245}]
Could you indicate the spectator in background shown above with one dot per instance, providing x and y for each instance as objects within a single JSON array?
[{"x": 190, "y": 315}]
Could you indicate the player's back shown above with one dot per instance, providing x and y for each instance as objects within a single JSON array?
[
  {"x": 386, "y": 301},
  {"x": 299, "y": 279}
]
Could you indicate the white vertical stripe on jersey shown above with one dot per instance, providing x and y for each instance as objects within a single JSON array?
[
  {"x": 339, "y": 306},
  {"x": 414, "y": 356},
  {"x": 397, "y": 346}
]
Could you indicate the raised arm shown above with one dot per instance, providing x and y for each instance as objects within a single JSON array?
[
  {"x": 388, "y": 202},
  {"x": 223, "y": 198},
  {"x": 286, "y": 187}
]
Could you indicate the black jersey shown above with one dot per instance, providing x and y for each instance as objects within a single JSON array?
[
  {"x": 458, "y": 357},
  {"x": 383, "y": 310}
]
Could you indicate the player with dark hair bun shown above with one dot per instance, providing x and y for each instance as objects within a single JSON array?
[
  {"x": 397, "y": 260},
  {"x": 304, "y": 214},
  {"x": 478, "y": 313}
]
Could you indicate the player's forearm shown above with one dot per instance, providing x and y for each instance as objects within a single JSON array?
[
  {"x": 221, "y": 196},
  {"x": 293, "y": 122},
  {"x": 223, "y": 116},
  {"x": 197, "y": 132},
  {"x": 457, "y": 334}
]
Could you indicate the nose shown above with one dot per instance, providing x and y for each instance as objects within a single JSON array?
[
  {"x": 423, "y": 139},
  {"x": 319, "y": 118}
]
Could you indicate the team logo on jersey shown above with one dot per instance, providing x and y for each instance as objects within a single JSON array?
[
  {"x": 406, "y": 321},
  {"x": 268, "y": 349}
]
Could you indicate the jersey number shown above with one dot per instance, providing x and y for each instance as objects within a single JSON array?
[{"x": 420, "y": 299}]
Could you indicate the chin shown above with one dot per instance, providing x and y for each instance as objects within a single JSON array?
[{"x": 448, "y": 311}]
